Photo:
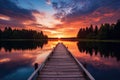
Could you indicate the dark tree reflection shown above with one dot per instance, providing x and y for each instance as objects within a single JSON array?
[
  {"x": 22, "y": 45},
  {"x": 105, "y": 49}
]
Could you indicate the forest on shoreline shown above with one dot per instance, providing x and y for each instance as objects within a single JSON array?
[
  {"x": 9, "y": 33},
  {"x": 105, "y": 32}
]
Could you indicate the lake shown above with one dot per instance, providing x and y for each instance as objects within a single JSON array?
[{"x": 17, "y": 58}]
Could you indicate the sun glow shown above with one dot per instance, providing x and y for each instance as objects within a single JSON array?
[
  {"x": 46, "y": 20},
  {"x": 59, "y": 37}
]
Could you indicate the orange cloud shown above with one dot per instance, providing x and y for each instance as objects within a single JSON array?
[
  {"x": 4, "y": 17},
  {"x": 4, "y": 60},
  {"x": 45, "y": 19},
  {"x": 70, "y": 27}
]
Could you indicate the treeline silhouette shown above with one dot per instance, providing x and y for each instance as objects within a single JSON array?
[
  {"x": 106, "y": 32},
  {"x": 22, "y": 45},
  {"x": 8, "y": 33},
  {"x": 106, "y": 49}
]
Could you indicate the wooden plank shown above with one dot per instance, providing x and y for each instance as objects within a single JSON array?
[
  {"x": 62, "y": 59},
  {"x": 61, "y": 70},
  {"x": 65, "y": 66},
  {"x": 64, "y": 63},
  {"x": 60, "y": 62},
  {"x": 61, "y": 76},
  {"x": 61, "y": 65},
  {"x": 61, "y": 79},
  {"x": 63, "y": 73}
]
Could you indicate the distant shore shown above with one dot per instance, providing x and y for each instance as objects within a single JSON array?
[
  {"x": 83, "y": 40},
  {"x": 62, "y": 39},
  {"x": 22, "y": 39},
  {"x": 94, "y": 40}
]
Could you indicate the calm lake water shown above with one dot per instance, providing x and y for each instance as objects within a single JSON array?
[{"x": 17, "y": 58}]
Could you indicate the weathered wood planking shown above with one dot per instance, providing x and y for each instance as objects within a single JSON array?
[{"x": 62, "y": 65}]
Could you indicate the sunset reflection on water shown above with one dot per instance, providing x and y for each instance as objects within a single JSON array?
[{"x": 21, "y": 61}]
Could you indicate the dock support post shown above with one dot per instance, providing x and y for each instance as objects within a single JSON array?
[{"x": 36, "y": 66}]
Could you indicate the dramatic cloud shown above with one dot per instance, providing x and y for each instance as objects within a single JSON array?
[
  {"x": 15, "y": 16},
  {"x": 77, "y": 8},
  {"x": 57, "y": 17},
  {"x": 12, "y": 15},
  {"x": 82, "y": 13},
  {"x": 11, "y": 10},
  {"x": 6, "y": 23}
]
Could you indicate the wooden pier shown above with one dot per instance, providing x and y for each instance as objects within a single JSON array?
[{"x": 61, "y": 65}]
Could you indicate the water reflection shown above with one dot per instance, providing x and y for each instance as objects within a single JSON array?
[
  {"x": 21, "y": 45},
  {"x": 102, "y": 59},
  {"x": 17, "y": 58},
  {"x": 104, "y": 49}
]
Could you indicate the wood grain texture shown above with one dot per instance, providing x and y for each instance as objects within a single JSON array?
[{"x": 61, "y": 66}]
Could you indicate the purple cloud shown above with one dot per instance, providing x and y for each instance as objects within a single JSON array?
[
  {"x": 17, "y": 15},
  {"x": 75, "y": 8}
]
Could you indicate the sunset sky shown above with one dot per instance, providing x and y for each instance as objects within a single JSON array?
[{"x": 57, "y": 18}]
